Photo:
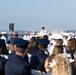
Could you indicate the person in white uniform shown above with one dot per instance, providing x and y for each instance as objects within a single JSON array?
[
  {"x": 43, "y": 31},
  {"x": 26, "y": 36},
  {"x": 4, "y": 36}
]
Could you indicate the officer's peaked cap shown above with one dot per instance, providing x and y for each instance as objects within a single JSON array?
[
  {"x": 43, "y": 41},
  {"x": 19, "y": 42}
]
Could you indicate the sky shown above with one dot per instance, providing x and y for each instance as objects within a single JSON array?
[{"x": 32, "y": 14}]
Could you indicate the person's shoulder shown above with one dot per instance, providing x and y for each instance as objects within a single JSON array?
[
  {"x": 11, "y": 55},
  {"x": 40, "y": 53},
  {"x": 35, "y": 54},
  {"x": 2, "y": 59}
]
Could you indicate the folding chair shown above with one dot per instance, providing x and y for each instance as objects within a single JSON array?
[
  {"x": 43, "y": 73},
  {"x": 35, "y": 72}
]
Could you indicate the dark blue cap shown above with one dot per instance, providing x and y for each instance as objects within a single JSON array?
[
  {"x": 43, "y": 41},
  {"x": 1, "y": 42},
  {"x": 19, "y": 42},
  {"x": 12, "y": 40}
]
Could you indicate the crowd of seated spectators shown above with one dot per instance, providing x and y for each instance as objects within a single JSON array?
[{"x": 20, "y": 56}]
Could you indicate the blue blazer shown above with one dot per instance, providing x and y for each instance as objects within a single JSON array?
[
  {"x": 37, "y": 60},
  {"x": 17, "y": 66},
  {"x": 2, "y": 65}
]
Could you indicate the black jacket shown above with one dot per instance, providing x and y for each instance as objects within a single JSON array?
[
  {"x": 17, "y": 66},
  {"x": 2, "y": 65},
  {"x": 37, "y": 60}
]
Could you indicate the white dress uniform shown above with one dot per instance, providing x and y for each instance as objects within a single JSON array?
[
  {"x": 3, "y": 37},
  {"x": 26, "y": 37},
  {"x": 43, "y": 32}
]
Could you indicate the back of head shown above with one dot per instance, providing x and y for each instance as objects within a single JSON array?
[
  {"x": 58, "y": 42},
  {"x": 70, "y": 44},
  {"x": 43, "y": 42},
  {"x": 11, "y": 47},
  {"x": 57, "y": 50},
  {"x": 21, "y": 45},
  {"x": 62, "y": 66},
  {"x": 43, "y": 27},
  {"x": 15, "y": 35},
  {"x": 32, "y": 42}
]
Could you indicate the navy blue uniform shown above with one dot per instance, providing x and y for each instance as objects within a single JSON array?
[
  {"x": 17, "y": 66},
  {"x": 37, "y": 60},
  {"x": 2, "y": 65},
  {"x": 11, "y": 55}
]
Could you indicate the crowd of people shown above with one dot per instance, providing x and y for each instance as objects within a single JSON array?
[{"x": 54, "y": 54}]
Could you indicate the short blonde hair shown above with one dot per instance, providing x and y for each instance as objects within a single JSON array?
[{"x": 11, "y": 47}]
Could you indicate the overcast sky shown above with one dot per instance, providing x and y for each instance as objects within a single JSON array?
[{"x": 32, "y": 14}]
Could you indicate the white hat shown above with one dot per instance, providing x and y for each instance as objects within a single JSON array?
[
  {"x": 56, "y": 36},
  {"x": 3, "y": 32},
  {"x": 66, "y": 34},
  {"x": 43, "y": 26}
]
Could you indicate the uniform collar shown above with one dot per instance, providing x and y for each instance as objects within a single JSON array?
[
  {"x": 18, "y": 56},
  {"x": 41, "y": 50}
]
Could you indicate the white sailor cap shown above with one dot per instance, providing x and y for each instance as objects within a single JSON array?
[
  {"x": 42, "y": 26},
  {"x": 3, "y": 32},
  {"x": 66, "y": 34},
  {"x": 56, "y": 36}
]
